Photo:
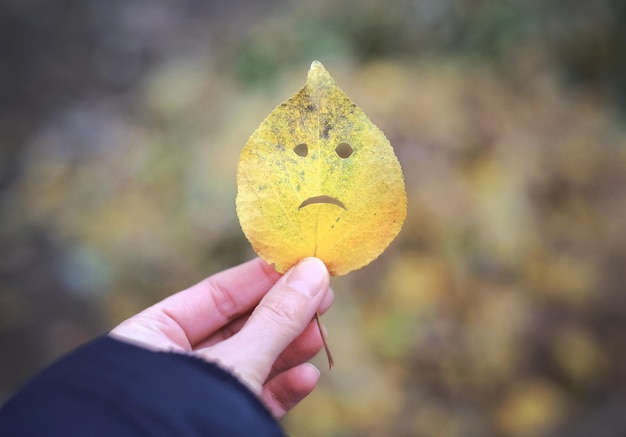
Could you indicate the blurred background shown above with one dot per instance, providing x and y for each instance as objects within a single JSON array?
[{"x": 500, "y": 310}]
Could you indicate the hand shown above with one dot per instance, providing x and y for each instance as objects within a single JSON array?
[{"x": 252, "y": 321}]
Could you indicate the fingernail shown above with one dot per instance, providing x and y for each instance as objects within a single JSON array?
[
  {"x": 314, "y": 368},
  {"x": 308, "y": 276}
]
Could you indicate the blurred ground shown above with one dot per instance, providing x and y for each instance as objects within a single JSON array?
[{"x": 500, "y": 309}]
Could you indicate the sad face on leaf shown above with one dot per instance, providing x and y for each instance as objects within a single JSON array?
[{"x": 317, "y": 178}]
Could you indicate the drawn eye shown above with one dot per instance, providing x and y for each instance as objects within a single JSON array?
[
  {"x": 344, "y": 150},
  {"x": 302, "y": 150}
]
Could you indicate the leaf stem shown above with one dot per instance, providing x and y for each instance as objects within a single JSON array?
[{"x": 331, "y": 362}]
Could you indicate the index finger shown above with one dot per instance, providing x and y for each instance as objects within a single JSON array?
[{"x": 205, "y": 307}]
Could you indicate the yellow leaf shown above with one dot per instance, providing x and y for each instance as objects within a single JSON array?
[{"x": 317, "y": 178}]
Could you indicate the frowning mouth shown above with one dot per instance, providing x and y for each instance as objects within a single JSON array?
[{"x": 322, "y": 199}]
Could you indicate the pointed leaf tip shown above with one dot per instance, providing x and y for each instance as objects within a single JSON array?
[{"x": 318, "y": 76}]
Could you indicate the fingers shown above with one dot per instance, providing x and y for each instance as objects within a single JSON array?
[
  {"x": 209, "y": 305},
  {"x": 281, "y": 317},
  {"x": 283, "y": 392},
  {"x": 235, "y": 326},
  {"x": 302, "y": 349}
]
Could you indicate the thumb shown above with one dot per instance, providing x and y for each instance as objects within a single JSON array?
[{"x": 281, "y": 316}]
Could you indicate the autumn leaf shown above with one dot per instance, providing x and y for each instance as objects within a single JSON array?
[{"x": 318, "y": 178}]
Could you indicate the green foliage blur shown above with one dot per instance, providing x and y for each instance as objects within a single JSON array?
[{"x": 500, "y": 310}]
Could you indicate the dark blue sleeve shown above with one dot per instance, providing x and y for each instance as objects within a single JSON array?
[{"x": 110, "y": 388}]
